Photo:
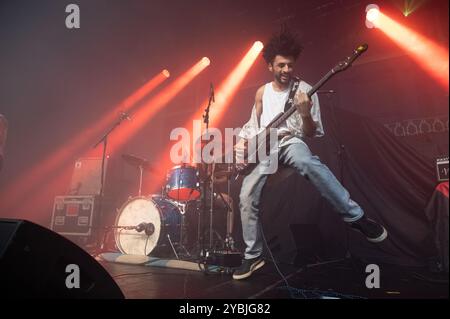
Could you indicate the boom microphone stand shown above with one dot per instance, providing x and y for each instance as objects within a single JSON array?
[
  {"x": 104, "y": 141},
  {"x": 205, "y": 181}
]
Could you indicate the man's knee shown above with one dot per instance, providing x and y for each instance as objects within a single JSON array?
[
  {"x": 244, "y": 195},
  {"x": 305, "y": 164},
  {"x": 246, "y": 202},
  {"x": 248, "y": 199}
]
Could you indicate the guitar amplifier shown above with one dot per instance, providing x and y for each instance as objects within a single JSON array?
[
  {"x": 73, "y": 215},
  {"x": 442, "y": 169}
]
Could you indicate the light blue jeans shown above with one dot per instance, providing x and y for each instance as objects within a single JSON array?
[{"x": 298, "y": 156}]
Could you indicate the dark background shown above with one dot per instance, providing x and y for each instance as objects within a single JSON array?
[{"x": 55, "y": 81}]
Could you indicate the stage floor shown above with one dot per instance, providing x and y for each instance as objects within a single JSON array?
[{"x": 343, "y": 279}]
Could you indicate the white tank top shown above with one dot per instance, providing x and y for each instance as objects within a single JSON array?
[{"x": 273, "y": 103}]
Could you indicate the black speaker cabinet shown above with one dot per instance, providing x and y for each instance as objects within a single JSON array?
[{"x": 36, "y": 262}]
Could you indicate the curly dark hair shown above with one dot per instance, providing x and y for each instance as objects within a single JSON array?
[{"x": 283, "y": 43}]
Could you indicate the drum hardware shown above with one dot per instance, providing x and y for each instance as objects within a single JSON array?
[
  {"x": 171, "y": 245},
  {"x": 224, "y": 172},
  {"x": 141, "y": 163},
  {"x": 158, "y": 221},
  {"x": 146, "y": 223},
  {"x": 213, "y": 174},
  {"x": 223, "y": 258}
]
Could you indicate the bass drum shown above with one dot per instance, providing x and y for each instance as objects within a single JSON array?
[{"x": 145, "y": 223}]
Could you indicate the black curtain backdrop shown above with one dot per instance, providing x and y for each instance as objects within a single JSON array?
[
  {"x": 391, "y": 180},
  {"x": 437, "y": 213}
]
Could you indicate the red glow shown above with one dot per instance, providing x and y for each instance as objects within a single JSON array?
[
  {"x": 166, "y": 73},
  {"x": 258, "y": 46},
  {"x": 36, "y": 205},
  {"x": 150, "y": 109},
  {"x": 224, "y": 94},
  {"x": 51, "y": 170},
  {"x": 37, "y": 176},
  {"x": 372, "y": 14},
  {"x": 430, "y": 56},
  {"x": 206, "y": 61}
]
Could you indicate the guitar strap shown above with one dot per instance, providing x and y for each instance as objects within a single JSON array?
[{"x": 290, "y": 100}]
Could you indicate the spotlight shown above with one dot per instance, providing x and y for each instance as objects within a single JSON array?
[
  {"x": 372, "y": 15},
  {"x": 258, "y": 45},
  {"x": 205, "y": 61},
  {"x": 166, "y": 73}
]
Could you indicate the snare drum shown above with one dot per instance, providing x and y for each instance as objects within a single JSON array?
[
  {"x": 145, "y": 223},
  {"x": 183, "y": 183}
]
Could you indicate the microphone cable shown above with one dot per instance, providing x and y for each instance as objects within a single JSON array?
[{"x": 298, "y": 293}]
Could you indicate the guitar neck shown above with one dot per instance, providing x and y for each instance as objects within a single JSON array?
[
  {"x": 283, "y": 116},
  {"x": 341, "y": 66}
]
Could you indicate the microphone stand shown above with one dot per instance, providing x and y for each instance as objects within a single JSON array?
[
  {"x": 206, "y": 179},
  {"x": 104, "y": 139}
]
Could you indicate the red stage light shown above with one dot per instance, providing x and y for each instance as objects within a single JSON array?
[
  {"x": 429, "y": 55},
  {"x": 372, "y": 15},
  {"x": 206, "y": 61},
  {"x": 166, "y": 73},
  {"x": 224, "y": 95}
]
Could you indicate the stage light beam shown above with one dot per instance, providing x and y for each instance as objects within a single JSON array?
[
  {"x": 224, "y": 94},
  {"x": 429, "y": 55},
  {"x": 146, "y": 112},
  {"x": 73, "y": 148}
]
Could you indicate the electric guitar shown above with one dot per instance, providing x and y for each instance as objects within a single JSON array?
[{"x": 261, "y": 139}]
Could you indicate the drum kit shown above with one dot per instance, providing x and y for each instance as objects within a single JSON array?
[
  {"x": 194, "y": 196},
  {"x": 187, "y": 205}
]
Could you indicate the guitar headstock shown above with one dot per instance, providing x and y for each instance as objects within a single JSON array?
[{"x": 343, "y": 65}]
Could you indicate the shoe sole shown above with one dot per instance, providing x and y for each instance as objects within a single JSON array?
[
  {"x": 380, "y": 238},
  {"x": 253, "y": 268}
]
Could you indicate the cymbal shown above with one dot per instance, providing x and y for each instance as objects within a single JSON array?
[{"x": 137, "y": 161}]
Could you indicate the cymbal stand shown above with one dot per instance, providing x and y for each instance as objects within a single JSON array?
[{"x": 141, "y": 172}]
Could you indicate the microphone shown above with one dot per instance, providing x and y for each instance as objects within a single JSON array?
[
  {"x": 148, "y": 228},
  {"x": 212, "y": 92},
  {"x": 362, "y": 48}
]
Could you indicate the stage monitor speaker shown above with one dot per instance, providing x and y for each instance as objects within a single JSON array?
[{"x": 36, "y": 262}]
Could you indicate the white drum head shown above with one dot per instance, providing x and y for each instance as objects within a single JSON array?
[{"x": 135, "y": 211}]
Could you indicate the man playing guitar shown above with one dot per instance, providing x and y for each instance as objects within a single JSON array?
[{"x": 280, "y": 54}]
